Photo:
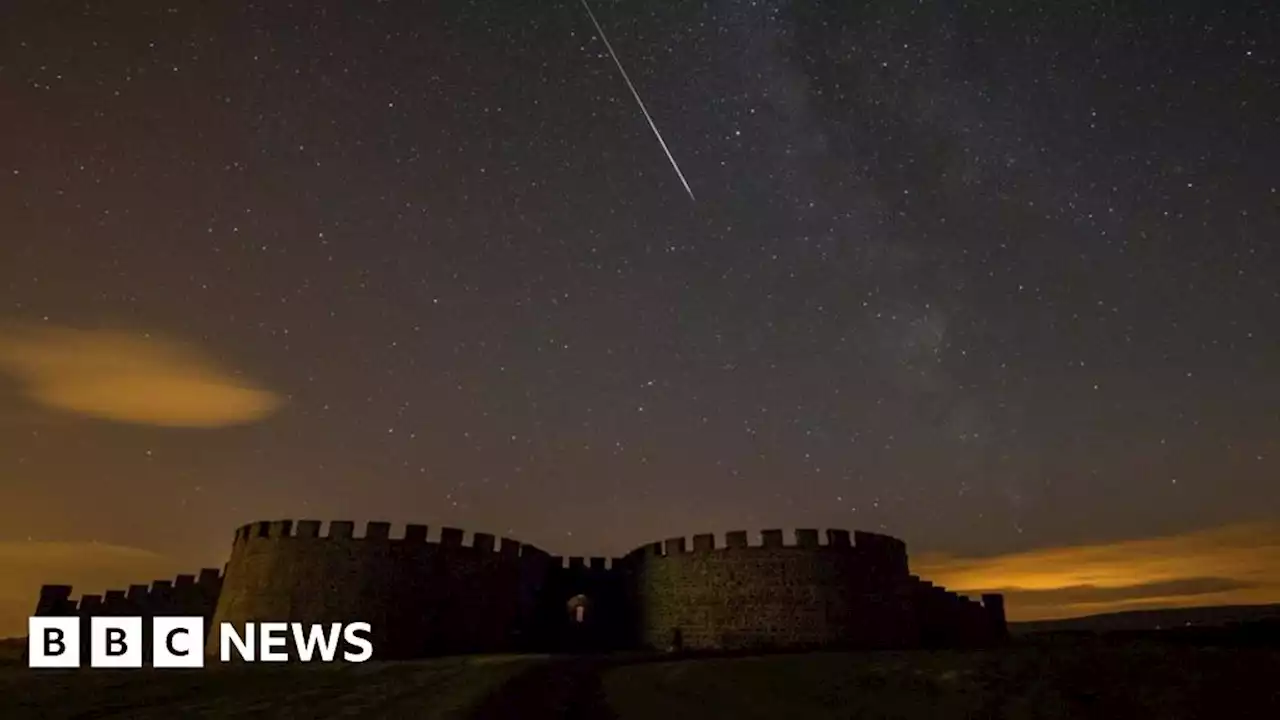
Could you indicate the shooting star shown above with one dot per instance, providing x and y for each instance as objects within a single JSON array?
[{"x": 639, "y": 102}]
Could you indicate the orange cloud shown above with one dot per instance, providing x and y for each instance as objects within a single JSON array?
[
  {"x": 88, "y": 567},
  {"x": 128, "y": 378},
  {"x": 1237, "y": 564}
]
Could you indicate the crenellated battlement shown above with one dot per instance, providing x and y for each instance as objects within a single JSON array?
[
  {"x": 381, "y": 532},
  {"x": 450, "y": 588},
  {"x": 857, "y": 541},
  {"x": 195, "y": 594},
  {"x": 574, "y": 563},
  {"x": 439, "y": 590}
]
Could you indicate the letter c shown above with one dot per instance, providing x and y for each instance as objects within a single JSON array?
[{"x": 168, "y": 642}]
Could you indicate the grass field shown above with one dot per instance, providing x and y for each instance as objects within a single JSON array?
[
  {"x": 1055, "y": 678},
  {"x": 11, "y": 651},
  {"x": 446, "y": 688}
]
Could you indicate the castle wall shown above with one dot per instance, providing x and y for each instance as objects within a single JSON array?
[
  {"x": 847, "y": 592},
  {"x": 596, "y": 583},
  {"x": 946, "y": 619},
  {"x": 421, "y": 598},
  {"x": 185, "y": 595},
  {"x": 471, "y": 592}
]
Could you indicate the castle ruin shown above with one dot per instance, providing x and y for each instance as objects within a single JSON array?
[{"x": 449, "y": 596}]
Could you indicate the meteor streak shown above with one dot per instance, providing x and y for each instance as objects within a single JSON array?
[{"x": 639, "y": 102}]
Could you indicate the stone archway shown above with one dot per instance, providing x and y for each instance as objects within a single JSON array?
[
  {"x": 580, "y": 625},
  {"x": 579, "y": 608}
]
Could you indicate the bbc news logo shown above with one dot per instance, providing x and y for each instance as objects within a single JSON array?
[{"x": 178, "y": 642}]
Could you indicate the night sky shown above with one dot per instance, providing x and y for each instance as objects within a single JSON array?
[{"x": 1000, "y": 279}]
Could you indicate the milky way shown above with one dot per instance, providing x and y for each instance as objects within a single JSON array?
[{"x": 990, "y": 277}]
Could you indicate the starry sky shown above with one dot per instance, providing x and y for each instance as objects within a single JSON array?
[{"x": 998, "y": 278}]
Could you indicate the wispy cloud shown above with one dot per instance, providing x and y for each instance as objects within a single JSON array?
[
  {"x": 128, "y": 378},
  {"x": 1227, "y": 565}
]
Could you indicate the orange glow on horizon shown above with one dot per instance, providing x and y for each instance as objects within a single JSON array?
[{"x": 1235, "y": 564}]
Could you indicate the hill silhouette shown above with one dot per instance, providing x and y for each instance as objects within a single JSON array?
[{"x": 1164, "y": 619}]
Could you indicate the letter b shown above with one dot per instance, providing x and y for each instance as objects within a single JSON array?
[
  {"x": 115, "y": 642},
  {"x": 53, "y": 642}
]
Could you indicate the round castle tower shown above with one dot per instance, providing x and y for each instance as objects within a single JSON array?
[
  {"x": 421, "y": 598},
  {"x": 849, "y": 591}
]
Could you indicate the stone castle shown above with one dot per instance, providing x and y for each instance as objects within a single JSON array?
[{"x": 443, "y": 595}]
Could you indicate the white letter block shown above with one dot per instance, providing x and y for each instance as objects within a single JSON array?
[
  {"x": 177, "y": 642},
  {"x": 53, "y": 642},
  {"x": 115, "y": 642}
]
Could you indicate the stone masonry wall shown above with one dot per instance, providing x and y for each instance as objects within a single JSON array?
[
  {"x": 595, "y": 583},
  {"x": 421, "y": 598},
  {"x": 849, "y": 592},
  {"x": 946, "y": 619}
]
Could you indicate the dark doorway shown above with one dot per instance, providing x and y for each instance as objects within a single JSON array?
[
  {"x": 581, "y": 624},
  {"x": 578, "y": 607}
]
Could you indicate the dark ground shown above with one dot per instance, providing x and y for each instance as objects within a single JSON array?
[{"x": 1065, "y": 676}]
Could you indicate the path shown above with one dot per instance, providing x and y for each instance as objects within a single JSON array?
[{"x": 568, "y": 689}]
